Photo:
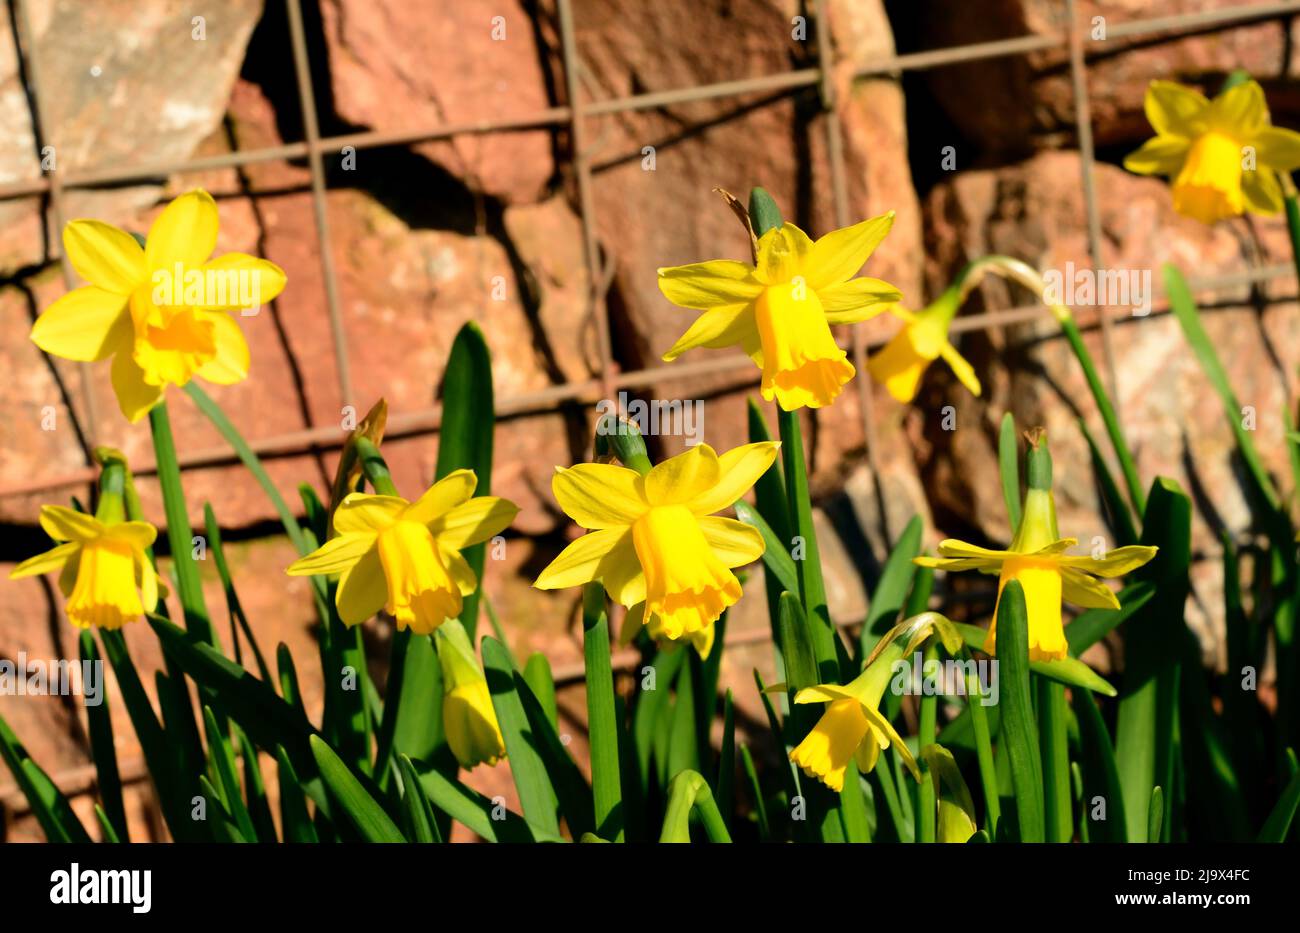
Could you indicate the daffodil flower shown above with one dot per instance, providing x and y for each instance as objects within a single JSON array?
[
  {"x": 1038, "y": 560},
  {"x": 468, "y": 718},
  {"x": 655, "y": 539},
  {"x": 780, "y": 309},
  {"x": 852, "y": 728},
  {"x": 104, "y": 571},
  {"x": 161, "y": 311},
  {"x": 1223, "y": 155},
  {"x": 404, "y": 557},
  {"x": 922, "y": 339}
]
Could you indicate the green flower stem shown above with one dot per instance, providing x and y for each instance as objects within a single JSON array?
[
  {"x": 1056, "y": 760},
  {"x": 690, "y": 791},
  {"x": 926, "y": 810},
  {"x": 180, "y": 537},
  {"x": 601, "y": 716},
  {"x": 983, "y": 746},
  {"x": 1293, "y": 222},
  {"x": 376, "y": 469}
]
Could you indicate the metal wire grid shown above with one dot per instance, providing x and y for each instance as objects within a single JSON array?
[{"x": 575, "y": 115}]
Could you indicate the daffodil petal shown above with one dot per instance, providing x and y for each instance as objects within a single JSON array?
[
  {"x": 1262, "y": 190},
  {"x": 712, "y": 284},
  {"x": 243, "y": 282},
  {"x": 360, "y": 513},
  {"x": 473, "y": 521},
  {"x": 64, "y": 524},
  {"x": 1089, "y": 592},
  {"x": 953, "y": 564},
  {"x": 1278, "y": 148},
  {"x": 334, "y": 556},
  {"x": 105, "y": 256},
  {"x": 682, "y": 478},
  {"x": 951, "y": 547},
  {"x": 961, "y": 368},
  {"x": 738, "y": 470},
  {"x": 185, "y": 232},
  {"x": 621, "y": 573},
  {"x": 782, "y": 252},
  {"x": 461, "y": 573},
  {"x": 633, "y": 619},
  {"x": 857, "y": 299},
  {"x": 839, "y": 254},
  {"x": 1116, "y": 563},
  {"x": 231, "y": 363},
  {"x": 1174, "y": 108},
  {"x": 880, "y": 722},
  {"x": 139, "y": 535},
  {"x": 580, "y": 561},
  {"x": 599, "y": 495},
  {"x": 53, "y": 559},
  {"x": 719, "y": 327},
  {"x": 734, "y": 543},
  {"x": 1239, "y": 111},
  {"x": 147, "y": 578},
  {"x": 452, "y": 490},
  {"x": 134, "y": 396},
  {"x": 363, "y": 589},
  {"x": 86, "y": 324},
  {"x": 823, "y": 693},
  {"x": 1160, "y": 155}
]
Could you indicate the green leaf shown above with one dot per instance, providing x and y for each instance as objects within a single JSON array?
[
  {"x": 289, "y": 678},
  {"x": 1009, "y": 468},
  {"x": 1279, "y": 820},
  {"x": 1100, "y": 771},
  {"x": 237, "y": 617},
  {"x": 259, "y": 807},
  {"x": 417, "y": 812},
  {"x": 796, "y": 646},
  {"x": 470, "y": 808},
  {"x": 1069, "y": 671},
  {"x": 105, "y": 826},
  {"x": 1155, "y": 813},
  {"x": 726, "y": 782},
  {"x": 108, "y": 780},
  {"x": 536, "y": 795},
  {"x": 1117, "y": 511},
  {"x": 537, "y": 674},
  {"x": 893, "y": 586},
  {"x": 49, "y": 806},
  {"x": 1056, "y": 760},
  {"x": 222, "y": 762},
  {"x": 358, "y": 806},
  {"x": 293, "y": 805},
  {"x": 1019, "y": 732},
  {"x": 466, "y": 434},
  {"x": 1144, "y": 735},
  {"x": 775, "y": 556},
  {"x": 756, "y": 792},
  {"x": 224, "y": 828},
  {"x": 606, "y": 783},
  {"x": 1093, "y": 625}
]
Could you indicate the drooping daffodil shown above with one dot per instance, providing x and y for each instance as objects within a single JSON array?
[
  {"x": 404, "y": 557},
  {"x": 468, "y": 718},
  {"x": 922, "y": 339},
  {"x": 780, "y": 310},
  {"x": 1223, "y": 156},
  {"x": 162, "y": 311},
  {"x": 1038, "y": 559},
  {"x": 105, "y": 574},
  {"x": 654, "y": 538}
]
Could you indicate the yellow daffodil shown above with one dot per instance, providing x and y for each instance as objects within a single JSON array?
[
  {"x": 1038, "y": 560},
  {"x": 161, "y": 311},
  {"x": 1223, "y": 155},
  {"x": 105, "y": 574},
  {"x": 468, "y": 718},
  {"x": 852, "y": 728},
  {"x": 702, "y": 640},
  {"x": 780, "y": 309},
  {"x": 922, "y": 339},
  {"x": 654, "y": 538},
  {"x": 404, "y": 557}
]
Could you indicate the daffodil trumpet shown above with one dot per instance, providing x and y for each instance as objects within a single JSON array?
[
  {"x": 1037, "y": 558},
  {"x": 653, "y": 538},
  {"x": 105, "y": 567},
  {"x": 1223, "y": 157},
  {"x": 780, "y": 309},
  {"x": 469, "y": 719},
  {"x": 404, "y": 557}
]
